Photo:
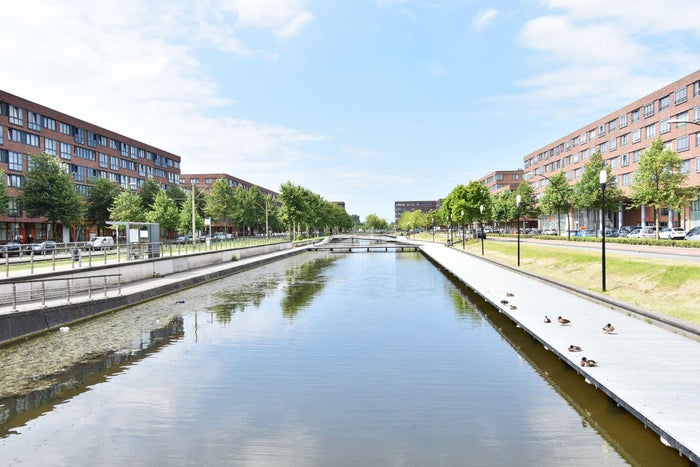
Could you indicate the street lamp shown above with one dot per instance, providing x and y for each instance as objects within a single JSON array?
[
  {"x": 603, "y": 180},
  {"x": 481, "y": 227},
  {"x": 518, "y": 198},
  {"x": 462, "y": 220}
]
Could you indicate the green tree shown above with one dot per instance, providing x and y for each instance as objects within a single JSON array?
[
  {"x": 49, "y": 192},
  {"x": 375, "y": 223},
  {"x": 127, "y": 207},
  {"x": 148, "y": 192},
  {"x": 100, "y": 198},
  {"x": 184, "y": 220},
  {"x": 557, "y": 197},
  {"x": 587, "y": 192},
  {"x": 4, "y": 198},
  {"x": 164, "y": 212},
  {"x": 219, "y": 203},
  {"x": 659, "y": 181}
]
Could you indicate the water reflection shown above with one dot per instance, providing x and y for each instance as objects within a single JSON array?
[{"x": 41, "y": 372}]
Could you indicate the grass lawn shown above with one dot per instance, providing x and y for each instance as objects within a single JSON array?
[{"x": 667, "y": 287}]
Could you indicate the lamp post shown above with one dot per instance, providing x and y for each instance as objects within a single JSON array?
[
  {"x": 462, "y": 220},
  {"x": 518, "y": 198},
  {"x": 481, "y": 227},
  {"x": 603, "y": 180}
]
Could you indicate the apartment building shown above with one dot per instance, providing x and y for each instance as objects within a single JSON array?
[
  {"x": 409, "y": 206},
  {"x": 502, "y": 180},
  {"x": 622, "y": 137},
  {"x": 87, "y": 150},
  {"x": 205, "y": 182}
]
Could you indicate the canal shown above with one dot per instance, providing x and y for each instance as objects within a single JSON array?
[{"x": 317, "y": 360}]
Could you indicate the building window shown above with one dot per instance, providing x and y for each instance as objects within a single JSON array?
[
  {"x": 66, "y": 129},
  {"x": 516, "y": 176},
  {"x": 625, "y": 179},
  {"x": 104, "y": 160},
  {"x": 113, "y": 163},
  {"x": 2, "y": 135},
  {"x": 613, "y": 163},
  {"x": 92, "y": 139},
  {"x": 685, "y": 166},
  {"x": 637, "y": 155},
  {"x": 635, "y": 115},
  {"x": 134, "y": 152},
  {"x": 649, "y": 110},
  {"x": 664, "y": 126},
  {"x": 683, "y": 143},
  {"x": 15, "y": 161},
  {"x": 684, "y": 118},
  {"x": 625, "y": 160},
  {"x": 601, "y": 148},
  {"x": 16, "y": 115},
  {"x": 65, "y": 151},
  {"x": 33, "y": 121},
  {"x": 650, "y": 131},
  {"x": 124, "y": 149},
  {"x": 611, "y": 125},
  {"x": 636, "y": 136},
  {"x": 601, "y": 130},
  {"x": 623, "y": 121},
  {"x": 681, "y": 95},
  {"x": 50, "y": 147},
  {"x": 112, "y": 144},
  {"x": 15, "y": 181},
  {"x": 612, "y": 144},
  {"x": 48, "y": 123},
  {"x": 664, "y": 103},
  {"x": 79, "y": 135},
  {"x": 84, "y": 153},
  {"x": 624, "y": 140}
]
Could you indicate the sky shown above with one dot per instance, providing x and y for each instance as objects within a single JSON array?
[{"x": 363, "y": 101}]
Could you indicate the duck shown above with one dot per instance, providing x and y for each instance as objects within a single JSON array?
[
  {"x": 180, "y": 301},
  {"x": 513, "y": 307},
  {"x": 509, "y": 294},
  {"x": 563, "y": 321},
  {"x": 546, "y": 319},
  {"x": 608, "y": 328},
  {"x": 64, "y": 329},
  {"x": 504, "y": 302},
  {"x": 575, "y": 348},
  {"x": 587, "y": 362}
]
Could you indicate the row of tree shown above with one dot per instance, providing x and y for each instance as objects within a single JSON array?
[
  {"x": 658, "y": 183},
  {"x": 49, "y": 192}
]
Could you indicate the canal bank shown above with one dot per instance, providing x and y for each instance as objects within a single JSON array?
[
  {"x": 650, "y": 371},
  {"x": 139, "y": 281}
]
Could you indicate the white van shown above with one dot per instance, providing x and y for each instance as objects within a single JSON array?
[{"x": 101, "y": 243}]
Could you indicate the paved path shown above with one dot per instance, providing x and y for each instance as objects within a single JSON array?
[{"x": 651, "y": 372}]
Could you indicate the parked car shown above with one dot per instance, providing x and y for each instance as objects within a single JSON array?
[
  {"x": 101, "y": 243},
  {"x": 219, "y": 237},
  {"x": 584, "y": 233},
  {"x": 625, "y": 230},
  {"x": 182, "y": 239},
  {"x": 647, "y": 232},
  {"x": 693, "y": 234},
  {"x": 610, "y": 233},
  {"x": 634, "y": 233},
  {"x": 12, "y": 248},
  {"x": 550, "y": 232},
  {"x": 672, "y": 233},
  {"x": 44, "y": 247}
]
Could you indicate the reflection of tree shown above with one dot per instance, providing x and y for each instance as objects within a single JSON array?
[
  {"x": 94, "y": 368},
  {"x": 251, "y": 293},
  {"x": 464, "y": 308},
  {"x": 303, "y": 283}
]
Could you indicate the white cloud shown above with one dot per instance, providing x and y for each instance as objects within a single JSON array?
[
  {"x": 285, "y": 17},
  {"x": 484, "y": 19}
]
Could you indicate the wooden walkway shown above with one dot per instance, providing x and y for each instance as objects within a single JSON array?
[{"x": 652, "y": 372}]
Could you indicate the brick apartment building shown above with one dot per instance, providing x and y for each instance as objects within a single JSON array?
[
  {"x": 622, "y": 137},
  {"x": 205, "y": 182},
  {"x": 88, "y": 151},
  {"x": 502, "y": 180},
  {"x": 408, "y": 206}
]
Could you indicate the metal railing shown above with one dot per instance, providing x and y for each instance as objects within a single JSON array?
[{"x": 60, "y": 289}]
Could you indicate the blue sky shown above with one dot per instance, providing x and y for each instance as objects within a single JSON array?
[{"x": 364, "y": 101}]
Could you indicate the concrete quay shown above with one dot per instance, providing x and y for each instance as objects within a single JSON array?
[{"x": 650, "y": 371}]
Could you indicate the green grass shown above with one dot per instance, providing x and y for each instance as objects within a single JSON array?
[{"x": 667, "y": 287}]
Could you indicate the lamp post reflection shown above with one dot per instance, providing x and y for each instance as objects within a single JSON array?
[
  {"x": 482, "y": 234},
  {"x": 518, "y": 199}
]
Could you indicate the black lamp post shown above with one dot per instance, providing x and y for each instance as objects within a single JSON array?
[
  {"x": 603, "y": 180},
  {"x": 481, "y": 227},
  {"x": 517, "y": 203},
  {"x": 462, "y": 220}
]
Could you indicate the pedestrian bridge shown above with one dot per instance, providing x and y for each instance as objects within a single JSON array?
[{"x": 362, "y": 243}]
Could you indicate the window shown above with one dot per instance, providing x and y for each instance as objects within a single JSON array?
[
  {"x": 124, "y": 149},
  {"x": 664, "y": 126},
  {"x": 113, "y": 163},
  {"x": 142, "y": 170},
  {"x": 2, "y": 135},
  {"x": 19, "y": 136},
  {"x": 79, "y": 135},
  {"x": 498, "y": 177},
  {"x": 685, "y": 166},
  {"x": 50, "y": 146},
  {"x": 683, "y": 143},
  {"x": 681, "y": 95},
  {"x": 683, "y": 117},
  {"x": 636, "y": 136},
  {"x": 613, "y": 163},
  {"x": 601, "y": 131},
  {"x": 625, "y": 160},
  {"x": 625, "y": 179},
  {"x": 104, "y": 160},
  {"x": 623, "y": 121},
  {"x": 134, "y": 152},
  {"x": 697, "y": 140},
  {"x": 696, "y": 116},
  {"x": 15, "y": 181},
  {"x": 16, "y": 115},
  {"x": 33, "y": 121},
  {"x": 649, "y": 110},
  {"x": 66, "y": 129},
  {"x": 696, "y": 88},
  {"x": 15, "y": 161},
  {"x": 635, "y": 115},
  {"x": 49, "y": 123},
  {"x": 84, "y": 153},
  {"x": 664, "y": 102},
  {"x": 66, "y": 151},
  {"x": 612, "y": 125},
  {"x": 637, "y": 155},
  {"x": 516, "y": 177},
  {"x": 112, "y": 144},
  {"x": 650, "y": 131},
  {"x": 612, "y": 144},
  {"x": 602, "y": 148},
  {"x": 13, "y": 208},
  {"x": 624, "y": 140},
  {"x": 92, "y": 139}
]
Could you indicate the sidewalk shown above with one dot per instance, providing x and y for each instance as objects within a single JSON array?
[{"x": 651, "y": 372}]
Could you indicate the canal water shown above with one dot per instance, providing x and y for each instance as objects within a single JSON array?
[{"x": 318, "y": 360}]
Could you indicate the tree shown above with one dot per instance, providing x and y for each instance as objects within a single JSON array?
[
  {"x": 219, "y": 203},
  {"x": 184, "y": 220},
  {"x": 587, "y": 192},
  {"x": 49, "y": 192},
  {"x": 659, "y": 181},
  {"x": 148, "y": 192},
  {"x": 127, "y": 207},
  {"x": 557, "y": 197},
  {"x": 4, "y": 198},
  {"x": 100, "y": 198},
  {"x": 164, "y": 212}
]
